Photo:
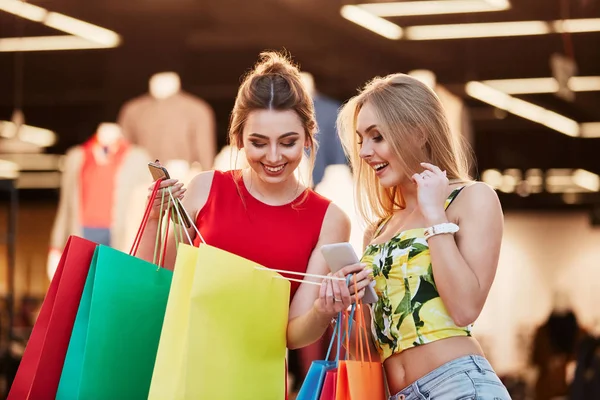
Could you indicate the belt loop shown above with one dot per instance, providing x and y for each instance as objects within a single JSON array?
[
  {"x": 418, "y": 392},
  {"x": 478, "y": 364}
]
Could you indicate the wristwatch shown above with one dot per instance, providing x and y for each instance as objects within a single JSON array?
[{"x": 446, "y": 227}]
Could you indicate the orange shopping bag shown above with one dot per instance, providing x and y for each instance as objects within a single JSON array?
[{"x": 360, "y": 379}]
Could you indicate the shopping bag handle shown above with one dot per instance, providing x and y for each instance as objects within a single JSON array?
[
  {"x": 180, "y": 218},
  {"x": 142, "y": 227},
  {"x": 187, "y": 214},
  {"x": 280, "y": 271},
  {"x": 160, "y": 261},
  {"x": 349, "y": 323},
  {"x": 362, "y": 331},
  {"x": 335, "y": 335}
]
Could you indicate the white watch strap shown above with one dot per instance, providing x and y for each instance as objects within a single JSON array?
[{"x": 446, "y": 227}]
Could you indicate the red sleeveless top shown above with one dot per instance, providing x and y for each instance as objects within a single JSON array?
[{"x": 278, "y": 237}]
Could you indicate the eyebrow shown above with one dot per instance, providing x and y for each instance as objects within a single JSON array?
[
  {"x": 368, "y": 129},
  {"x": 259, "y": 136}
]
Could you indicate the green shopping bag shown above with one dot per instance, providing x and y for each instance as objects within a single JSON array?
[
  {"x": 117, "y": 329},
  {"x": 115, "y": 337}
]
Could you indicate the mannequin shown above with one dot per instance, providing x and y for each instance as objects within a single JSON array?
[
  {"x": 330, "y": 150},
  {"x": 97, "y": 184},
  {"x": 164, "y": 85},
  {"x": 170, "y": 123},
  {"x": 553, "y": 352}
]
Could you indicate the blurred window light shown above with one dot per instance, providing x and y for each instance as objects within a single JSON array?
[
  {"x": 492, "y": 177},
  {"x": 39, "y": 136},
  {"x": 477, "y": 30},
  {"x": 23, "y": 10},
  {"x": 544, "y": 85},
  {"x": 586, "y": 180},
  {"x": 47, "y": 43},
  {"x": 501, "y": 29},
  {"x": 85, "y": 35},
  {"x": 523, "y": 109},
  {"x": 590, "y": 129},
  {"x": 8, "y": 169},
  {"x": 535, "y": 179},
  {"x": 371, "y": 22},
  {"x": 370, "y": 16},
  {"x": 577, "y": 25},
  {"x": 514, "y": 172},
  {"x": 559, "y": 180},
  {"x": 83, "y": 29},
  {"x": 411, "y": 8}
]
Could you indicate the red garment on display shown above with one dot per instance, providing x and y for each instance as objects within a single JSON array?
[
  {"x": 98, "y": 184},
  {"x": 278, "y": 237}
]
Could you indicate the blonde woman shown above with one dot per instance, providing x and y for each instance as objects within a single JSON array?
[{"x": 434, "y": 243}]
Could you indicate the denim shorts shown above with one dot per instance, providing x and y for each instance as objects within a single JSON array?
[{"x": 466, "y": 378}]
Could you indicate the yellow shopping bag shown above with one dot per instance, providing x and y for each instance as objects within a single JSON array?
[
  {"x": 168, "y": 376},
  {"x": 224, "y": 334}
]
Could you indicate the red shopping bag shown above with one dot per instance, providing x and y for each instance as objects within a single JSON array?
[
  {"x": 41, "y": 366},
  {"x": 328, "y": 391}
]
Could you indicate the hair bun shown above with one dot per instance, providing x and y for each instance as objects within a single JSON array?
[{"x": 271, "y": 63}]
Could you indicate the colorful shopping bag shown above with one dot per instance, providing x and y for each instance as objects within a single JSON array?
[
  {"x": 115, "y": 337},
  {"x": 329, "y": 386},
  {"x": 40, "y": 368},
  {"x": 168, "y": 376},
  {"x": 315, "y": 378},
  {"x": 229, "y": 341},
  {"x": 361, "y": 379}
]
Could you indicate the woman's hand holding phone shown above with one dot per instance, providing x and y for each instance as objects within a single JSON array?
[
  {"x": 336, "y": 295},
  {"x": 176, "y": 188}
]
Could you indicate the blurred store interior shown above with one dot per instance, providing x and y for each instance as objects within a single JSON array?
[{"x": 519, "y": 79}]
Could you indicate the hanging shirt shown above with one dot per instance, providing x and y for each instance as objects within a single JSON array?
[{"x": 97, "y": 179}]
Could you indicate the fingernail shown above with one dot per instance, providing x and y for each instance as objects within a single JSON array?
[
  {"x": 363, "y": 265},
  {"x": 369, "y": 271}
]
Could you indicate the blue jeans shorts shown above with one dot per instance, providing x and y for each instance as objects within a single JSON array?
[{"x": 466, "y": 378}]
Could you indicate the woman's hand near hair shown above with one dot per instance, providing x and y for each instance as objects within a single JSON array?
[{"x": 432, "y": 192}]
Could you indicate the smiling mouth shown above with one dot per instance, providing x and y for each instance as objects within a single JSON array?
[
  {"x": 379, "y": 167},
  {"x": 274, "y": 169}
]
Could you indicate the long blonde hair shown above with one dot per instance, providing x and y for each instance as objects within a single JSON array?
[{"x": 412, "y": 120}]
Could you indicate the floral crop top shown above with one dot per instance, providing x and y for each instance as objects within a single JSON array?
[{"x": 409, "y": 311}]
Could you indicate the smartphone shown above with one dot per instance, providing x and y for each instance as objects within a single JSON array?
[
  {"x": 159, "y": 172},
  {"x": 339, "y": 255}
]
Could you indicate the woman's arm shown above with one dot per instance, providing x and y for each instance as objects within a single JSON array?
[
  {"x": 313, "y": 306},
  {"x": 464, "y": 265}
]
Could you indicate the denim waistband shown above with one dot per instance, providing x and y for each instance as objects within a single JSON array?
[{"x": 456, "y": 366}]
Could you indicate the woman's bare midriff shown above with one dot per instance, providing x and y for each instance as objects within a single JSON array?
[{"x": 408, "y": 366}]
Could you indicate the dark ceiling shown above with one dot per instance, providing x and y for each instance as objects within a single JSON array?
[{"x": 211, "y": 43}]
